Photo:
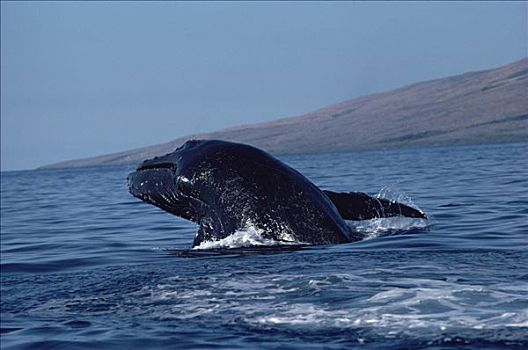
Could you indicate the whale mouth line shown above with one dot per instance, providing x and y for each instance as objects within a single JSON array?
[{"x": 155, "y": 166}]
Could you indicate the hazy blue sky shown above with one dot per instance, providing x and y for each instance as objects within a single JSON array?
[{"x": 80, "y": 79}]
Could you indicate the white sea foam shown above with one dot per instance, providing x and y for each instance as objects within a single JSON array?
[
  {"x": 381, "y": 226},
  {"x": 250, "y": 236},
  {"x": 416, "y": 307},
  {"x": 419, "y": 305},
  {"x": 436, "y": 308}
]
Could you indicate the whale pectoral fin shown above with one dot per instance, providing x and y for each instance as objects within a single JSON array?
[{"x": 361, "y": 206}]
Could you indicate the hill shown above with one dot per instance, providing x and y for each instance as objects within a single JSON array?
[{"x": 488, "y": 106}]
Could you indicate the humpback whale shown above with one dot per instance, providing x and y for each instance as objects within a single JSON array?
[{"x": 225, "y": 187}]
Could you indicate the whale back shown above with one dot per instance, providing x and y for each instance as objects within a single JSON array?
[{"x": 239, "y": 187}]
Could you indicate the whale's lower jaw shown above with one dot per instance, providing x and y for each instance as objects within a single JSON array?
[{"x": 156, "y": 186}]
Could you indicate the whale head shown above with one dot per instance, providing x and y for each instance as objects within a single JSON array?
[{"x": 159, "y": 181}]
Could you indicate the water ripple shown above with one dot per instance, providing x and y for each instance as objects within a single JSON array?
[{"x": 84, "y": 265}]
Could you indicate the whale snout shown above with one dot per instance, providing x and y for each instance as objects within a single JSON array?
[
  {"x": 151, "y": 174},
  {"x": 154, "y": 182}
]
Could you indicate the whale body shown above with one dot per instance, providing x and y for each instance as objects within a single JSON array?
[{"x": 225, "y": 187}]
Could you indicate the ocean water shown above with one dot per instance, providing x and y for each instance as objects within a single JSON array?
[{"x": 84, "y": 265}]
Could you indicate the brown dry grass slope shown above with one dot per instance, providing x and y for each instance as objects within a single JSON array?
[{"x": 479, "y": 107}]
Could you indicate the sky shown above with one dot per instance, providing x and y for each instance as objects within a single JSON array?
[{"x": 81, "y": 79}]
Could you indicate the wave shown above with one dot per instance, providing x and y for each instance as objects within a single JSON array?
[{"x": 419, "y": 308}]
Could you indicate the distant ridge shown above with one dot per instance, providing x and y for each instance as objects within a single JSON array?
[{"x": 489, "y": 106}]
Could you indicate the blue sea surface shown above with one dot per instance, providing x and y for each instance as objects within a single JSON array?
[{"x": 84, "y": 265}]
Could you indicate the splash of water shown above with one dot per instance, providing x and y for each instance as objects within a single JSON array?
[
  {"x": 250, "y": 236},
  {"x": 386, "y": 226}
]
